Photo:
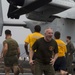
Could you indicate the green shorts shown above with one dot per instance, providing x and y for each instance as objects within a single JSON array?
[{"x": 11, "y": 61}]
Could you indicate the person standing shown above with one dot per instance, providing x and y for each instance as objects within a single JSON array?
[
  {"x": 11, "y": 53},
  {"x": 46, "y": 54},
  {"x": 69, "y": 55},
  {"x": 60, "y": 64},
  {"x": 31, "y": 38}
]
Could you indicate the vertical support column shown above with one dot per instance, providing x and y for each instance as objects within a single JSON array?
[{"x": 1, "y": 18}]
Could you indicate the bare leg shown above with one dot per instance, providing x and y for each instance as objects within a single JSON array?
[
  {"x": 7, "y": 70},
  {"x": 62, "y": 72},
  {"x": 16, "y": 70}
]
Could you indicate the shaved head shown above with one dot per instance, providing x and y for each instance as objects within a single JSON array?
[
  {"x": 48, "y": 29},
  {"x": 48, "y": 34}
]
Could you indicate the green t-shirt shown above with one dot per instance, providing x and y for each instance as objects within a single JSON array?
[
  {"x": 45, "y": 50},
  {"x": 12, "y": 47}
]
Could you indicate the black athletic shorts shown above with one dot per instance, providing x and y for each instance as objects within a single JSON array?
[{"x": 60, "y": 64}]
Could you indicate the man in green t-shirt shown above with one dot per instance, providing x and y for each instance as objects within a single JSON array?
[
  {"x": 69, "y": 55},
  {"x": 46, "y": 54},
  {"x": 11, "y": 53}
]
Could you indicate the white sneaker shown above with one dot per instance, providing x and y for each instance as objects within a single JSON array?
[{"x": 27, "y": 59}]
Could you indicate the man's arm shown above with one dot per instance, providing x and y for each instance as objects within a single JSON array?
[
  {"x": 5, "y": 48},
  {"x": 72, "y": 48},
  {"x": 31, "y": 53},
  {"x": 18, "y": 52},
  {"x": 26, "y": 48},
  {"x": 55, "y": 55},
  {"x": 54, "y": 59}
]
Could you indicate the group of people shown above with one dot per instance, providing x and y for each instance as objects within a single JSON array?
[{"x": 46, "y": 54}]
